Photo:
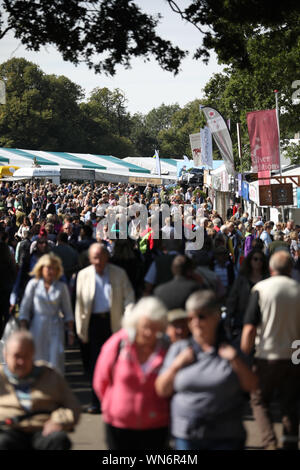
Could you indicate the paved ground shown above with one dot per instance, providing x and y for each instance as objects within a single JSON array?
[{"x": 89, "y": 434}]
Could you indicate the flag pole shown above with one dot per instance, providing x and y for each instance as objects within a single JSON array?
[
  {"x": 280, "y": 169},
  {"x": 238, "y": 131}
]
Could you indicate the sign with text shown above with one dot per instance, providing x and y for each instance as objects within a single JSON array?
[
  {"x": 265, "y": 195},
  {"x": 195, "y": 141},
  {"x": 220, "y": 133},
  {"x": 276, "y": 195},
  {"x": 282, "y": 194},
  {"x": 264, "y": 140},
  {"x": 144, "y": 181}
]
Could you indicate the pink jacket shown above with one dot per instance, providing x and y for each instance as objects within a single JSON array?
[{"x": 127, "y": 395}]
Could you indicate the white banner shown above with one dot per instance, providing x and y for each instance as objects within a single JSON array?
[
  {"x": 195, "y": 141},
  {"x": 224, "y": 182},
  {"x": 221, "y": 135},
  {"x": 156, "y": 156},
  {"x": 206, "y": 147},
  {"x": 254, "y": 192}
]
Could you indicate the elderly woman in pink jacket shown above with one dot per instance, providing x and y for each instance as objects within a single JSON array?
[{"x": 136, "y": 417}]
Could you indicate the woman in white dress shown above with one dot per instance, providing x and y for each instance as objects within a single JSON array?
[{"x": 46, "y": 310}]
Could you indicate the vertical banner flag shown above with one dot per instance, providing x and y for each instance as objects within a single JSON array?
[
  {"x": 264, "y": 140},
  {"x": 156, "y": 156},
  {"x": 220, "y": 133},
  {"x": 206, "y": 147},
  {"x": 240, "y": 180},
  {"x": 195, "y": 142},
  {"x": 245, "y": 190},
  {"x": 298, "y": 198},
  {"x": 263, "y": 178}
]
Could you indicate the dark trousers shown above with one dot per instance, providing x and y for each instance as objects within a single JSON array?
[
  {"x": 209, "y": 444},
  {"x": 284, "y": 377},
  {"x": 140, "y": 439},
  {"x": 99, "y": 332},
  {"x": 4, "y": 309},
  {"x": 13, "y": 439}
]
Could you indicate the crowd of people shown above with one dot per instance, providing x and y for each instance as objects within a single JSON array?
[{"x": 173, "y": 337}]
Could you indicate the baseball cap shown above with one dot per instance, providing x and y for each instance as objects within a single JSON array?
[
  {"x": 259, "y": 223},
  {"x": 176, "y": 314}
]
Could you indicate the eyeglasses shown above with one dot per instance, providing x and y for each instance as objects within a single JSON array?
[{"x": 257, "y": 259}]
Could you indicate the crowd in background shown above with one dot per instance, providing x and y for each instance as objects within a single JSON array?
[{"x": 47, "y": 248}]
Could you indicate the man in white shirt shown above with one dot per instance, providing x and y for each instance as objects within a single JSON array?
[
  {"x": 289, "y": 227},
  {"x": 188, "y": 195}
]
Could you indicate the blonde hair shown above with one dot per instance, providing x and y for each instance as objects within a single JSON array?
[
  {"x": 293, "y": 235},
  {"x": 48, "y": 260}
]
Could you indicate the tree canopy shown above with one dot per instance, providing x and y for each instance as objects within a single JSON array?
[
  {"x": 236, "y": 92},
  {"x": 48, "y": 112},
  {"x": 105, "y": 33}
]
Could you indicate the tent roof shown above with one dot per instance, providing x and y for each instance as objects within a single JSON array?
[{"x": 25, "y": 158}]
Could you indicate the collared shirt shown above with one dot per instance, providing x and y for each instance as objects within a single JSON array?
[
  {"x": 266, "y": 238},
  {"x": 208, "y": 401},
  {"x": 102, "y": 293},
  {"x": 222, "y": 273}
]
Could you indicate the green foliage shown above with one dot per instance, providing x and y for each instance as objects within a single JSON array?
[
  {"x": 47, "y": 112},
  {"x": 145, "y": 130},
  {"x": 105, "y": 33},
  {"x": 174, "y": 141},
  {"x": 199, "y": 193},
  {"x": 101, "y": 33},
  {"x": 43, "y": 112},
  {"x": 292, "y": 151},
  {"x": 236, "y": 92}
]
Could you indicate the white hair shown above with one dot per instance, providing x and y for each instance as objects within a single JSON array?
[
  {"x": 202, "y": 220},
  {"x": 202, "y": 300},
  {"x": 149, "y": 307},
  {"x": 19, "y": 336}
]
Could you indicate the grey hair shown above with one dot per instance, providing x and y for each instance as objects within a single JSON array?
[
  {"x": 202, "y": 300},
  {"x": 217, "y": 221},
  {"x": 149, "y": 307},
  {"x": 19, "y": 336},
  {"x": 281, "y": 262}
]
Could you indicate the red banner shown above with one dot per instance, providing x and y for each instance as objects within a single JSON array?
[
  {"x": 263, "y": 177},
  {"x": 264, "y": 140}
]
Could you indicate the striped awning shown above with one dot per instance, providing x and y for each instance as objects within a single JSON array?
[{"x": 26, "y": 158}]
